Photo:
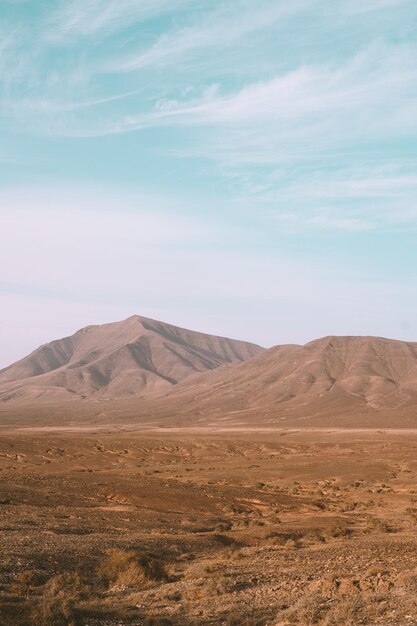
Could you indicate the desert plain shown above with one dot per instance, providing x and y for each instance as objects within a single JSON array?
[{"x": 112, "y": 526}]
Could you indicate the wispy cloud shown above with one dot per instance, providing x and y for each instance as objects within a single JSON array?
[
  {"x": 83, "y": 18},
  {"x": 309, "y": 91},
  {"x": 346, "y": 198},
  {"x": 47, "y": 106},
  {"x": 308, "y": 114},
  {"x": 219, "y": 28},
  {"x": 282, "y": 139},
  {"x": 231, "y": 25}
]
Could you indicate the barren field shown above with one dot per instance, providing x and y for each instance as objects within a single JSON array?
[{"x": 198, "y": 527}]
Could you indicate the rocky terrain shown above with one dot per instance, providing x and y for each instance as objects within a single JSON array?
[{"x": 114, "y": 528}]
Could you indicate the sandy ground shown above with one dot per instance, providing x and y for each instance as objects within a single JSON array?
[{"x": 296, "y": 526}]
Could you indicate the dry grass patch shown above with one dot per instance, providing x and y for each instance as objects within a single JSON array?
[
  {"x": 26, "y": 582},
  {"x": 284, "y": 539},
  {"x": 338, "y": 532},
  {"x": 231, "y": 547},
  {"x": 123, "y": 569},
  {"x": 234, "y": 551},
  {"x": 346, "y": 611},
  {"x": 58, "y": 599},
  {"x": 210, "y": 578},
  {"x": 54, "y": 611},
  {"x": 378, "y": 525}
]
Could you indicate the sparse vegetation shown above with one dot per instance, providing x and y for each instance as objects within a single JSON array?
[
  {"x": 378, "y": 525},
  {"x": 53, "y": 611},
  {"x": 123, "y": 544},
  {"x": 131, "y": 569}
]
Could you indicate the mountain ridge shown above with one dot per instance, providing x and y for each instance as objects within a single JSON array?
[
  {"x": 123, "y": 358},
  {"x": 328, "y": 376},
  {"x": 149, "y": 371}
]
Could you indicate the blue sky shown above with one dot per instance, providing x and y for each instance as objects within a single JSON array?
[{"x": 246, "y": 169}]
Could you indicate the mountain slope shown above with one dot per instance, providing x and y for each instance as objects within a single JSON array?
[
  {"x": 330, "y": 376},
  {"x": 135, "y": 356}
]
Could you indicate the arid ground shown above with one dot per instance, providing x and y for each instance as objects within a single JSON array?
[{"x": 192, "y": 527}]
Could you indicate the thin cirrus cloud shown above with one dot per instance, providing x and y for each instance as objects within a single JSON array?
[
  {"x": 223, "y": 27},
  {"x": 302, "y": 94},
  {"x": 47, "y": 106},
  {"x": 373, "y": 91},
  {"x": 312, "y": 113},
  {"x": 86, "y": 18},
  {"x": 373, "y": 88},
  {"x": 322, "y": 199}
]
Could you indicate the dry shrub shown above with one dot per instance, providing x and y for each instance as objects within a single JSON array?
[
  {"x": 374, "y": 523},
  {"x": 217, "y": 583},
  {"x": 199, "y": 570},
  {"x": 307, "y": 611},
  {"x": 232, "y": 548},
  {"x": 339, "y": 531},
  {"x": 51, "y": 602},
  {"x": 69, "y": 584},
  {"x": 343, "y": 611},
  {"x": 26, "y": 582},
  {"x": 317, "y": 610},
  {"x": 13, "y": 612},
  {"x": 210, "y": 577},
  {"x": 314, "y": 537},
  {"x": 56, "y": 605},
  {"x": 53, "y": 611},
  {"x": 131, "y": 569},
  {"x": 233, "y": 551},
  {"x": 287, "y": 540}
]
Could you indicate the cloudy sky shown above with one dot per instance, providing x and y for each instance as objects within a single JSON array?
[{"x": 242, "y": 168}]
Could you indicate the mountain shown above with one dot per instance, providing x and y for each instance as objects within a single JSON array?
[
  {"x": 150, "y": 373},
  {"x": 326, "y": 378},
  {"x": 132, "y": 357}
]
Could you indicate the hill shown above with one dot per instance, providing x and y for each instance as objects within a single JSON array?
[
  {"x": 355, "y": 377},
  {"x": 132, "y": 357},
  {"x": 148, "y": 373}
]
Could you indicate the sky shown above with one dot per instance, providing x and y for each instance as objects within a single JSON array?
[{"x": 242, "y": 168}]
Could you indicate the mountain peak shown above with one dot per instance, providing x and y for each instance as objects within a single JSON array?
[{"x": 130, "y": 357}]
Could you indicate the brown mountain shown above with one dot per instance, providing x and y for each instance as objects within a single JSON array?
[
  {"x": 132, "y": 357},
  {"x": 130, "y": 369},
  {"x": 329, "y": 377}
]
